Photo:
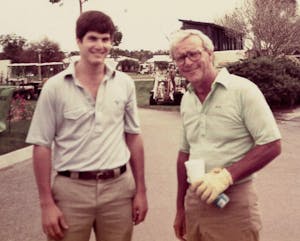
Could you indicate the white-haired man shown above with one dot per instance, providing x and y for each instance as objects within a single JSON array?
[{"x": 226, "y": 122}]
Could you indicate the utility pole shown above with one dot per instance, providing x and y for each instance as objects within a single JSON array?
[
  {"x": 61, "y": 3},
  {"x": 80, "y": 5},
  {"x": 39, "y": 51}
]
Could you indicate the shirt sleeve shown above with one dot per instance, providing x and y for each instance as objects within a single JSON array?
[
  {"x": 183, "y": 142},
  {"x": 132, "y": 122},
  {"x": 42, "y": 127},
  {"x": 258, "y": 117}
]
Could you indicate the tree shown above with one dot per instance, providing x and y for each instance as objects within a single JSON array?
[
  {"x": 18, "y": 50},
  {"x": 49, "y": 50},
  {"x": 117, "y": 37},
  {"x": 13, "y": 46},
  {"x": 128, "y": 65},
  {"x": 270, "y": 27}
]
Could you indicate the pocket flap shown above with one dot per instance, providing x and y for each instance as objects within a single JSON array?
[{"x": 75, "y": 113}]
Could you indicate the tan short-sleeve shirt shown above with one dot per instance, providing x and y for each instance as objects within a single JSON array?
[{"x": 86, "y": 134}]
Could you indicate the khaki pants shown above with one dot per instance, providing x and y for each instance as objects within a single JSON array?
[
  {"x": 102, "y": 205},
  {"x": 238, "y": 221}
]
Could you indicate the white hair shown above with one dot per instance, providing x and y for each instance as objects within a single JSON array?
[{"x": 180, "y": 35}]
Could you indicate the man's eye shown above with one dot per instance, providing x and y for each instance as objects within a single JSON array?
[
  {"x": 92, "y": 38},
  {"x": 193, "y": 54},
  {"x": 106, "y": 39},
  {"x": 181, "y": 58}
]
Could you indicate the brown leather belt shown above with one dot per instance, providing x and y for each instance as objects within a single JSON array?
[{"x": 95, "y": 175}]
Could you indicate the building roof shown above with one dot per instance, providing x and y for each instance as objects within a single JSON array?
[
  {"x": 34, "y": 64},
  {"x": 121, "y": 58},
  {"x": 205, "y": 24},
  {"x": 160, "y": 58},
  {"x": 201, "y": 23}
]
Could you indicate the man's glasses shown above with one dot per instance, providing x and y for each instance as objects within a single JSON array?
[{"x": 192, "y": 55}]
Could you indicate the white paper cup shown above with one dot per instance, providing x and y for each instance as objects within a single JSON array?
[{"x": 195, "y": 169}]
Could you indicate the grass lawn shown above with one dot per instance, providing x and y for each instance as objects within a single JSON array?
[
  {"x": 137, "y": 76},
  {"x": 14, "y": 138},
  {"x": 143, "y": 94}
]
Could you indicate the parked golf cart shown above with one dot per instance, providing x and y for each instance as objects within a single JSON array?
[{"x": 168, "y": 89}]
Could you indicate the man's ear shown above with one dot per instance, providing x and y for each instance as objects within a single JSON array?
[
  {"x": 211, "y": 55},
  {"x": 78, "y": 41}
]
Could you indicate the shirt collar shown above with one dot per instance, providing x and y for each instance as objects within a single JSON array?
[
  {"x": 221, "y": 78},
  {"x": 70, "y": 72}
]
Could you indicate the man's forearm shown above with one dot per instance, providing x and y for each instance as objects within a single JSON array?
[
  {"x": 254, "y": 160},
  {"x": 181, "y": 179},
  {"x": 42, "y": 170},
  {"x": 135, "y": 145}
]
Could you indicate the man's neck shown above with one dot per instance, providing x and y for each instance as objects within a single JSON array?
[
  {"x": 91, "y": 73},
  {"x": 203, "y": 87}
]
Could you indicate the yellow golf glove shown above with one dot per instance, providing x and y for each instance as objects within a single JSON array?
[{"x": 212, "y": 184}]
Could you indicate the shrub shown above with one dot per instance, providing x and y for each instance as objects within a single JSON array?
[
  {"x": 128, "y": 65},
  {"x": 277, "y": 77}
]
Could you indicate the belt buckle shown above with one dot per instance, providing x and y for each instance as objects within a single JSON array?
[
  {"x": 105, "y": 174},
  {"x": 100, "y": 175},
  {"x": 74, "y": 175}
]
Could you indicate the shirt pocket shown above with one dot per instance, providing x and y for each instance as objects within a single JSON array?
[
  {"x": 75, "y": 114},
  {"x": 117, "y": 108},
  {"x": 78, "y": 121}
]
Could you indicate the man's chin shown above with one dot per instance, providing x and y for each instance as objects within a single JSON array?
[
  {"x": 97, "y": 62},
  {"x": 192, "y": 77}
]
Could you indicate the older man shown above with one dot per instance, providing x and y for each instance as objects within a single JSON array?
[{"x": 227, "y": 123}]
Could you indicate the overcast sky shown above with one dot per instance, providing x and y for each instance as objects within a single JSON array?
[{"x": 144, "y": 23}]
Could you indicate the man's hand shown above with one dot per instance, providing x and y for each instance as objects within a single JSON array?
[
  {"x": 179, "y": 225},
  {"x": 53, "y": 222},
  {"x": 212, "y": 184},
  {"x": 139, "y": 208}
]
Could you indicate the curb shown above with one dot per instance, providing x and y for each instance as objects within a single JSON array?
[{"x": 14, "y": 157}]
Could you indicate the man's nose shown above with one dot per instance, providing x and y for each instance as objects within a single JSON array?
[
  {"x": 187, "y": 61},
  {"x": 100, "y": 43}
]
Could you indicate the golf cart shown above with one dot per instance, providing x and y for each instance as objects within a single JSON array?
[{"x": 168, "y": 89}]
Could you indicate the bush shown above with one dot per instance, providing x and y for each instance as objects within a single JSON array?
[
  {"x": 277, "y": 77},
  {"x": 128, "y": 65}
]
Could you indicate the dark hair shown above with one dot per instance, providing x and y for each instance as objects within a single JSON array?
[{"x": 94, "y": 21}]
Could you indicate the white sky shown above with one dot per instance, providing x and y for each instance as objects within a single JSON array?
[{"x": 144, "y": 23}]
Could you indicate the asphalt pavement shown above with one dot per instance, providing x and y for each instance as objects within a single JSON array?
[{"x": 277, "y": 185}]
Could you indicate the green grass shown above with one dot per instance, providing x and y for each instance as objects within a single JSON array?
[
  {"x": 137, "y": 76},
  {"x": 14, "y": 138},
  {"x": 143, "y": 94}
]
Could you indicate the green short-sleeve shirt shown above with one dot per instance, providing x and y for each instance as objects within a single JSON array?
[{"x": 233, "y": 119}]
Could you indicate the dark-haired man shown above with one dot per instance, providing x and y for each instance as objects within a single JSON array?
[{"x": 88, "y": 114}]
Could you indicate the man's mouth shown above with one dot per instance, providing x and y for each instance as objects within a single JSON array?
[
  {"x": 98, "y": 53},
  {"x": 189, "y": 71}
]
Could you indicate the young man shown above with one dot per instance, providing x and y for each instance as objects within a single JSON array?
[
  {"x": 88, "y": 114},
  {"x": 228, "y": 124}
]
